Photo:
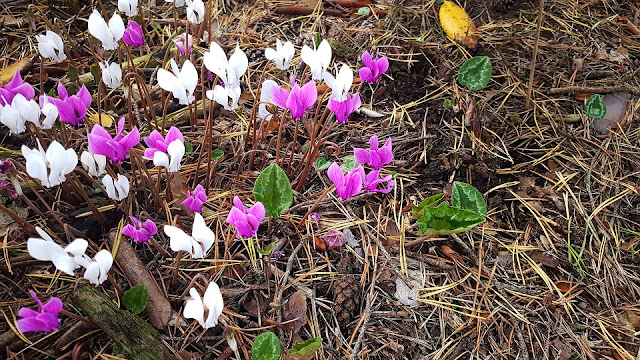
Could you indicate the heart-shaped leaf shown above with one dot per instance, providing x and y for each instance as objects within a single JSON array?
[
  {"x": 266, "y": 347},
  {"x": 322, "y": 164},
  {"x": 305, "y": 350},
  {"x": 476, "y": 72},
  {"x": 348, "y": 163},
  {"x": 444, "y": 219},
  {"x": 595, "y": 107},
  {"x": 217, "y": 154},
  {"x": 273, "y": 190},
  {"x": 416, "y": 210},
  {"x": 188, "y": 148},
  {"x": 135, "y": 300}
]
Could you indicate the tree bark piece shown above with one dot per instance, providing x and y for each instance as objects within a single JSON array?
[
  {"x": 158, "y": 307},
  {"x": 134, "y": 335}
]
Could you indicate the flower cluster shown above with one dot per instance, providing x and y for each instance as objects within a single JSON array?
[{"x": 355, "y": 180}]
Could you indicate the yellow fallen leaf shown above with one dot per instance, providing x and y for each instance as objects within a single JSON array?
[
  {"x": 7, "y": 73},
  {"x": 457, "y": 24},
  {"x": 107, "y": 120}
]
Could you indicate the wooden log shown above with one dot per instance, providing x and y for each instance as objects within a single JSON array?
[{"x": 135, "y": 336}]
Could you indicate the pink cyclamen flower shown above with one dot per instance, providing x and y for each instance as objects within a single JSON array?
[
  {"x": 373, "y": 67},
  {"x": 333, "y": 238},
  {"x": 298, "y": 100},
  {"x": 346, "y": 185},
  {"x": 133, "y": 35},
  {"x": 372, "y": 181},
  {"x": 116, "y": 148},
  {"x": 6, "y": 167},
  {"x": 156, "y": 142},
  {"x": 345, "y": 108},
  {"x": 376, "y": 157},
  {"x": 195, "y": 199},
  {"x": 184, "y": 43},
  {"x": 71, "y": 109},
  {"x": 14, "y": 87},
  {"x": 141, "y": 233},
  {"x": 45, "y": 319},
  {"x": 246, "y": 221}
]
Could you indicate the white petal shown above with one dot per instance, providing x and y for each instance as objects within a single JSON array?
[
  {"x": 36, "y": 166},
  {"x": 220, "y": 96},
  {"x": 105, "y": 261},
  {"x": 10, "y": 117},
  {"x": 189, "y": 78},
  {"x": 214, "y": 303},
  {"x": 107, "y": 181},
  {"x": 176, "y": 150},
  {"x": 100, "y": 30},
  {"x": 202, "y": 233},
  {"x": 116, "y": 27},
  {"x": 50, "y": 112},
  {"x": 193, "y": 308},
  {"x": 41, "y": 249},
  {"x": 43, "y": 234},
  {"x": 239, "y": 62},
  {"x": 324, "y": 54},
  {"x": 77, "y": 247},
  {"x": 179, "y": 240},
  {"x": 160, "y": 159},
  {"x": 122, "y": 186},
  {"x": 92, "y": 273},
  {"x": 265, "y": 97},
  {"x": 270, "y": 53},
  {"x": 64, "y": 263}
]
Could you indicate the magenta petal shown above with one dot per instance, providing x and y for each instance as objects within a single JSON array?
[
  {"x": 49, "y": 321},
  {"x": 254, "y": 223},
  {"x": 373, "y": 142},
  {"x": 100, "y": 145},
  {"x": 309, "y": 95},
  {"x": 258, "y": 211},
  {"x": 279, "y": 96},
  {"x": 235, "y": 215},
  {"x": 385, "y": 155},
  {"x": 243, "y": 228},
  {"x": 173, "y": 134},
  {"x": 131, "y": 139},
  {"x": 62, "y": 91},
  {"x": 153, "y": 139},
  {"x": 361, "y": 156},
  {"x": 25, "y": 90},
  {"x": 336, "y": 175},
  {"x": 31, "y": 324},
  {"x": 151, "y": 227},
  {"x": 53, "y": 306},
  {"x": 129, "y": 230},
  {"x": 383, "y": 65},
  {"x": 238, "y": 204},
  {"x": 66, "y": 111},
  {"x": 84, "y": 96},
  {"x": 367, "y": 60},
  {"x": 27, "y": 312}
]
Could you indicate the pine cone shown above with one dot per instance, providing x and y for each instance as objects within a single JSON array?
[{"x": 346, "y": 296}]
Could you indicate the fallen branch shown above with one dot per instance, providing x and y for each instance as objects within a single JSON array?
[{"x": 596, "y": 90}]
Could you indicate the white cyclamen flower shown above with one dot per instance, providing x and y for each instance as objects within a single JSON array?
[
  {"x": 181, "y": 83},
  {"x": 96, "y": 269},
  {"x": 116, "y": 190},
  {"x": 20, "y": 111},
  {"x": 210, "y": 305},
  {"x": 45, "y": 249},
  {"x": 197, "y": 244},
  {"x": 50, "y": 112},
  {"x": 51, "y": 166},
  {"x": 129, "y": 7},
  {"x": 229, "y": 71},
  {"x": 195, "y": 11},
  {"x": 171, "y": 159},
  {"x": 341, "y": 84},
  {"x": 94, "y": 164},
  {"x": 225, "y": 96},
  {"x": 281, "y": 55},
  {"x": 318, "y": 60},
  {"x": 50, "y": 46},
  {"x": 109, "y": 34},
  {"x": 111, "y": 74},
  {"x": 266, "y": 95}
]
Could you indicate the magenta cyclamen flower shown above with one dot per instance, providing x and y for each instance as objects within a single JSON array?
[
  {"x": 345, "y": 108},
  {"x": 346, "y": 185},
  {"x": 14, "y": 87},
  {"x": 298, "y": 100},
  {"x": 6, "y": 167},
  {"x": 116, "y": 148},
  {"x": 195, "y": 199},
  {"x": 376, "y": 157},
  {"x": 372, "y": 181},
  {"x": 71, "y": 109},
  {"x": 184, "y": 43},
  {"x": 373, "y": 67},
  {"x": 141, "y": 233},
  {"x": 246, "y": 221},
  {"x": 133, "y": 35},
  {"x": 45, "y": 319}
]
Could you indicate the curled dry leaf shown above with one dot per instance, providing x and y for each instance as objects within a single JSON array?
[
  {"x": 457, "y": 24},
  {"x": 158, "y": 307},
  {"x": 7, "y": 73},
  {"x": 295, "y": 309}
]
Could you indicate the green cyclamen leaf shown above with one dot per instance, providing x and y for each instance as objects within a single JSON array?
[
  {"x": 365, "y": 10},
  {"x": 348, "y": 163},
  {"x": 267, "y": 251},
  {"x": 266, "y": 347},
  {"x": 444, "y": 219},
  {"x": 476, "y": 72},
  {"x": 468, "y": 198},
  {"x": 416, "y": 210},
  {"x": 322, "y": 164},
  {"x": 306, "y": 349},
  {"x": 188, "y": 148},
  {"x": 135, "y": 300},
  {"x": 273, "y": 190},
  {"x": 217, "y": 154},
  {"x": 595, "y": 107}
]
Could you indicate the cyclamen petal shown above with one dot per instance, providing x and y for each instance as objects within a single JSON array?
[
  {"x": 212, "y": 304},
  {"x": 116, "y": 148},
  {"x": 181, "y": 83},
  {"x": 318, "y": 59},
  {"x": 50, "y": 167},
  {"x": 129, "y": 7},
  {"x": 347, "y": 185},
  {"x": 376, "y": 157},
  {"x": 14, "y": 87},
  {"x": 246, "y": 221},
  {"x": 196, "y": 199},
  {"x": 298, "y": 100},
  {"x": 345, "y": 108},
  {"x": 200, "y": 241},
  {"x": 133, "y": 35},
  {"x": 44, "y": 320},
  {"x": 374, "y": 68},
  {"x": 140, "y": 233},
  {"x": 281, "y": 55},
  {"x": 50, "y": 46},
  {"x": 108, "y": 34}
]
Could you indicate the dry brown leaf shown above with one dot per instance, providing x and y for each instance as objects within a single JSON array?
[
  {"x": 7, "y": 73},
  {"x": 295, "y": 309},
  {"x": 105, "y": 120}
]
